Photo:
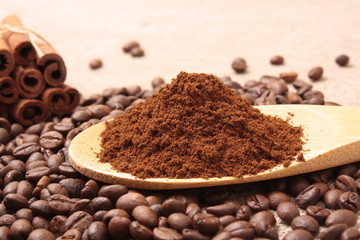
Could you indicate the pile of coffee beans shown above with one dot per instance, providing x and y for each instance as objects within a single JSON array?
[{"x": 44, "y": 197}]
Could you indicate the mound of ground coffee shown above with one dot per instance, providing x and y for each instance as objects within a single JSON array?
[{"x": 197, "y": 127}]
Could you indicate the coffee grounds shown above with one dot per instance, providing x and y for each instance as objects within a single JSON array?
[{"x": 196, "y": 127}]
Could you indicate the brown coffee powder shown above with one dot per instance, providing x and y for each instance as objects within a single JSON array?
[{"x": 196, "y": 127}]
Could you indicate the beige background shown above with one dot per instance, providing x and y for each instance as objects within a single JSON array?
[{"x": 199, "y": 36}]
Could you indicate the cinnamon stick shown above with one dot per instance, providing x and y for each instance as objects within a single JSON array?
[
  {"x": 74, "y": 96},
  {"x": 51, "y": 64},
  {"x": 7, "y": 61},
  {"x": 3, "y": 111},
  {"x": 57, "y": 100},
  {"x": 19, "y": 43},
  {"x": 29, "y": 81},
  {"x": 8, "y": 91},
  {"x": 29, "y": 111}
]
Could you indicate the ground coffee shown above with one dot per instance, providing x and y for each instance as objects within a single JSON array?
[{"x": 197, "y": 127}]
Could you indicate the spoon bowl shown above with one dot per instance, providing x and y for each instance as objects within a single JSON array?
[{"x": 332, "y": 138}]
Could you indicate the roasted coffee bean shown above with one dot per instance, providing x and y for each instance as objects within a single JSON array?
[
  {"x": 114, "y": 101},
  {"x": 266, "y": 230},
  {"x": 265, "y": 216},
  {"x": 192, "y": 209},
  {"x": 90, "y": 189},
  {"x": 26, "y": 138},
  {"x": 10, "y": 188},
  {"x": 2, "y": 209},
  {"x": 299, "y": 234},
  {"x": 342, "y": 60},
  {"x": 155, "y": 199},
  {"x": 172, "y": 205},
  {"x": 4, "y": 136},
  {"x": 13, "y": 175},
  {"x": 226, "y": 220},
  {"x": 163, "y": 222},
  {"x": 85, "y": 205},
  {"x": 206, "y": 223},
  {"x": 7, "y": 220},
  {"x": 4, "y": 123},
  {"x": 239, "y": 65},
  {"x": 333, "y": 232},
  {"x": 99, "y": 111},
  {"x": 163, "y": 233},
  {"x": 349, "y": 169},
  {"x": 130, "y": 45},
  {"x": 60, "y": 204},
  {"x": 79, "y": 220},
  {"x": 67, "y": 170},
  {"x": 15, "y": 201},
  {"x": 277, "y": 60},
  {"x": 145, "y": 216},
  {"x": 98, "y": 231},
  {"x": 323, "y": 187},
  {"x": 72, "y": 234},
  {"x": 40, "y": 208},
  {"x": 331, "y": 198},
  {"x": 102, "y": 203},
  {"x": 45, "y": 194},
  {"x": 35, "y": 164},
  {"x": 139, "y": 232},
  {"x": 243, "y": 213},
  {"x": 241, "y": 229},
  {"x": 95, "y": 63},
  {"x": 316, "y": 73},
  {"x": 309, "y": 196},
  {"x": 118, "y": 227},
  {"x": 192, "y": 234},
  {"x": 34, "y": 175},
  {"x": 137, "y": 52},
  {"x": 305, "y": 222},
  {"x": 113, "y": 192},
  {"x": 297, "y": 184},
  {"x": 99, "y": 215},
  {"x": 65, "y": 126},
  {"x": 57, "y": 225},
  {"x": 350, "y": 234},
  {"x": 223, "y": 236},
  {"x": 317, "y": 212},
  {"x": 221, "y": 210},
  {"x": 52, "y": 140},
  {"x": 341, "y": 216},
  {"x": 24, "y": 213},
  {"x": 277, "y": 197},
  {"x": 81, "y": 116},
  {"x": 73, "y": 186},
  {"x": 257, "y": 202},
  {"x": 4, "y": 232},
  {"x": 288, "y": 77},
  {"x": 113, "y": 213},
  {"x": 133, "y": 90},
  {"x": 40, "y": 222},
  {"x": 49, "y": 126},
  {"x": 56, "y": 178},
  {"x": 345, "y": 183},
  {"x": 25, "y": 150},
  {"x": 56, "y": 188},
  {"x": 179, "y": 221},
  {"x": 350, "y": 200},
  {"x": 287, "y": 211},
  {"x": 16, "y": 129},
  {"x": 157, "y": 208},
  {"x": 41, "y": 234}
]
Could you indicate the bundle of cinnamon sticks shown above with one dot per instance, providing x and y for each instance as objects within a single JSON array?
[{"x": 32, "y": 76}]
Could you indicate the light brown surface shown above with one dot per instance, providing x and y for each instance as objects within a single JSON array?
[
  {"x": 199, "y": 36},
  {"x": 332, "y": 139}
]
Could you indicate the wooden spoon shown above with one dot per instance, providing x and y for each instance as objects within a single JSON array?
[{"x": 332, "y": 133}]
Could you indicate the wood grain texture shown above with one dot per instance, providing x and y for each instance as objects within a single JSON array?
[{"x": 332, "y": 133}]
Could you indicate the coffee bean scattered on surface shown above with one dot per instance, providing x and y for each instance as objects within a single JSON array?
[
  {"x": 342, "y": 60},
  {"x": 239, "y": 65},
  {"x": 134, "y": 49},
  {"x": 96, "y": 63},
  {"x": 37, "y": 183},
  {"x": 316, "y": 73},
  {"x": 277, "y": 60}
]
